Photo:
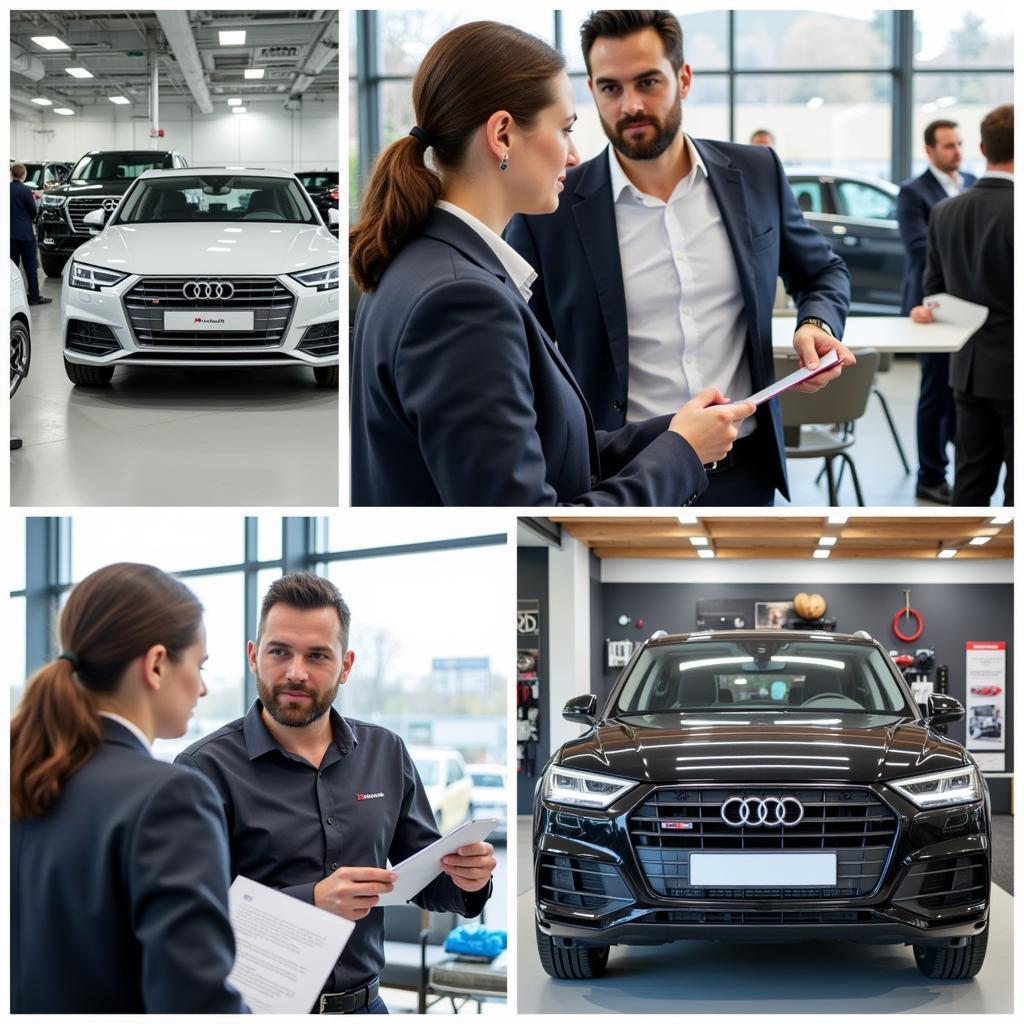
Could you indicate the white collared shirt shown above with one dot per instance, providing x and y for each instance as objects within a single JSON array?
[
  {"x": 953, "y": 186},
  {"x": 521, "y": 273},
  {"x": 684, "y": 307},
  {"x": 130, "y": 726},
  {"x": 1001, "y": 175}
]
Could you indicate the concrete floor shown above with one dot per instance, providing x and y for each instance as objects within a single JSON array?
[
  {"x": 802, "y": 978},
  {"x": 170, "y": 436}
]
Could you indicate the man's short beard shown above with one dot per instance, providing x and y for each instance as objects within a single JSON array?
[
  {"x": 665, "y": 133},
  {"x": 295, "y": 716}
]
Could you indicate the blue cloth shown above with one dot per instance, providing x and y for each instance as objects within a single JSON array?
[
  {"x": 459, "y": 397},
  {"x": 580, "y": 301},
  {"x": 23, "y": 212},
  {"x": 482, "y": 942},
  {"x": 119, "y": 895}
]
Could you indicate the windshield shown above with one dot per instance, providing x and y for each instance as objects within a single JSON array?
[
  {"x": 118, "y": 166},
  {"x": 34, "y": 175},
  {"x": 751, "y": 674},
  {"x": 215, "y": 198},
  {"x": 490, "y": 781},
  {"x": 324, "y": 179},
  {"x": 428, "y": 772}
]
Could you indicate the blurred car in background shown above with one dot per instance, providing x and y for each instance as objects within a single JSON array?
[
  {"x": 322, "y": 187},
  {"x": 448, "y": 785},
  {"x": 856, "y": 214},
  {"x": 490, "y": 796},
  {"x": 44, "y": 174}
]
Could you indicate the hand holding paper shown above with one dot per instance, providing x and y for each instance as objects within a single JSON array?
[{"x": 352, "y": 892}]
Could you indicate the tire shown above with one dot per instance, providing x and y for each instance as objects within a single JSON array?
[
  {"x": 326, "y": 376},
  {"x": 953, "y": 963},
  {"x": 21, "y": 353},
  {"x": 88, "y": 376},
  {"x": 53, "y": 266},
  {"x": 573, "y": 963}
]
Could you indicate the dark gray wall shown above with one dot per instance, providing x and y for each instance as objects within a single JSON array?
[{"x": 533, "y": 583}]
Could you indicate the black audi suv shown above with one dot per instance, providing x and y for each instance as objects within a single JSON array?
[{"x": 762, "y": 787}]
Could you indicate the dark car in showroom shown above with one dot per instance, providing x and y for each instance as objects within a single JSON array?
[
  {"x": 762, "y": 786},
  {"x": 322, "y": 187},
  {"x": 97, "y": 181},
  {"x": 42, "y": 175},
  {"x": 856, "y": 214}
]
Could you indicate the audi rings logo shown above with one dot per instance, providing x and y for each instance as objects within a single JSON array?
[
  {"x": 769, "y": 811},
  {"x": 208, "y": 290},
  {"x": 110, "y": 205}
]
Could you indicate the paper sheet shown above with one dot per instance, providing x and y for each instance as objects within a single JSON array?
[
  {"x": 284, "y": 948},
  {"x": 828, "y": 360},
  {"x": 419, "y": 870},
  {"x": 948, "y": 309}
]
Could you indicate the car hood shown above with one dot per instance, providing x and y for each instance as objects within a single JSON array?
[
  {"x": 252, "y": 247},
  {"x": 93, "y": 187},
  {"x": 776, "y": 745}
]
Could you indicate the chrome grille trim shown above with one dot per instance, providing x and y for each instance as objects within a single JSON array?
[{"x": 78, "y": 206}]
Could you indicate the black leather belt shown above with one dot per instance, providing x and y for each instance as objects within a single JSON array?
[
  {"x": 348, "y": 1002},
  {"x": 737, "y": 451}
]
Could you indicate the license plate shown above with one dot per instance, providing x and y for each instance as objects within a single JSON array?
[
  {"x": 762, "y": 869},
  {"x": 208, "y": 320}
]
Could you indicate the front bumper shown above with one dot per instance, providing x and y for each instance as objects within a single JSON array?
[
  {"x": 104, "y": 314},
  {"x": 55, "y": 236}
]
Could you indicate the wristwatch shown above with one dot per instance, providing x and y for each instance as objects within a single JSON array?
[{"x": 817, "y": 323}]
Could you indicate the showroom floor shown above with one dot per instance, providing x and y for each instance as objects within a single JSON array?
[
  {"x": 803, "y": 978},
  {"x": 169, "y": 436}
]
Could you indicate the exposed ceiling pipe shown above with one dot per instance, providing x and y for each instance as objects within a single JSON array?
[
  {"x": 24, "y": 63},
  {"x": 183, "y": 45},
  {"x": 321, "y": 53}
]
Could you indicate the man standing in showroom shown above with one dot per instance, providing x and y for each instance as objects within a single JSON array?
[
  {"x": 970, "y": 255},
  {"x": 316, "y": 802},
  {"x": 657, "y": 273},
  {"x": 23, "y": 238},
  {"x": 936, "y": 411}
]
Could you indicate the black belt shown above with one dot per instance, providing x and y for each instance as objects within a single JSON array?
[
  {"x": 348, "y": 1002},
  {"x": 737, "y": 452}
]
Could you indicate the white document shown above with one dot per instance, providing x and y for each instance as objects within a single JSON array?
[
  {"x": 948, "y": 309},
  {"x": 419, "y": 870},
  {"x": 284, "y": 948},
  {"x": 827, "y": 361}
]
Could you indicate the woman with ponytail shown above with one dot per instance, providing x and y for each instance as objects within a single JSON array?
[
  {"x": 458, "y": 395},
  {"x": 119, "y": 862}
]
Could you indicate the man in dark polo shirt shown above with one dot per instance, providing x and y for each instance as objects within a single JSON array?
[{"x": 317, "y": 803}]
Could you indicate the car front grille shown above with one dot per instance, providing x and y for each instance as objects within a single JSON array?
[
  {"x": 270, "y": 301},
  {"x": 92, "y": 339},
  {"x": 79, "y": 206},
  {"x": 578, "y": 884},
  {"x": 854, "y": 823},
  {"x": 933, "y": 886}
]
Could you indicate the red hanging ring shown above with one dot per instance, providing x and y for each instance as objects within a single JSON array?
[{"x": 916, "y": 615}]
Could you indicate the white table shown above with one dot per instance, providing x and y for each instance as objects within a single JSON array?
[{"x": 884, "y": 333}]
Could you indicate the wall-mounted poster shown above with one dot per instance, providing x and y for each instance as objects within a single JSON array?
[
  {"x": 986, "y": 701},
  {"x": 771, "y": 614}
]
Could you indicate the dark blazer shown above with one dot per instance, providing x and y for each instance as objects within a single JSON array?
[
  {"x": 23, "y": 212},
  {"x": 119, "y": 894},
  {"x": 913, "y": 208},
  {"x": 580, "y": 300},
  {"x": 460, "y": 398},
  {"x": 970, "y": 255}
]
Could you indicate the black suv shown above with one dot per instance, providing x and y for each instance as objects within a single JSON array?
[
  {"x": 762, "y": 787},
  {"x": 322, "y": 187},
  {"x": 99, "y": 179}
]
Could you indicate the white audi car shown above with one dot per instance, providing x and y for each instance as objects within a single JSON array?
[{"x": 214, "y": 266}]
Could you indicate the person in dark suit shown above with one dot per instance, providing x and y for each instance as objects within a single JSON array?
[
  {"x": 936, "y": 411},
  {"x": 23, "y": 238},
  {"x": 459, "y": 397},
  {"x": 658, "y": 270},
  {"x": 970, "y": 256},
  {"x": 119, "y": 862}
]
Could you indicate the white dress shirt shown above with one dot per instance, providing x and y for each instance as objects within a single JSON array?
[
  {"x": 130, "y": 726},
  {"x": 521, "y": 273},
  {"x": 684, "y": 307},
  {"x": 953, "y": 184}
]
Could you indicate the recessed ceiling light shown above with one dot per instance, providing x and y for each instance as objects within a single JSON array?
[
  {"x": 978, "y": 541},
  {"x": 1001, "y": 520},
  {"x": 63, "y": 110},
  {"x": 50, "y": 43},
  {"x": 255, "y": 72},
  {"x": 699, "y": 542},
  {"x": 947, "y": 553},
  {"x": 837, "y": 518},
  {"x": 822, "y": 552},
  {"x": 705, "y": 553},
  {"x": 232, "y": 38},
  {"x": 234, "y": 102},
  {"x": 239, "y": 110},
  {"x": 687, "y": 519},
  {"x": 120, "y": 100},
  {"x": 827, "y": 542},
  {"x": 43, "y": 101},
  {"x": 79, "y": 72}
]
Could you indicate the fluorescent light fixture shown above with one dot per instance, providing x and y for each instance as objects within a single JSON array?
[
  {"x": 63, "y": 110},
  {"x": 705, "y": 553},
  {"x": 1001, "y": 520},
  {"x": 79, "y": 72},
  {"x": 235, "y": 101},
  {"x": 815, "y": 102},
  {"x": 42, "y": 101},
  {"x": 822, "y": 552},
  {"x": 945, "y": 101},
  {"x": 232, "y": 38},
  {"x": 978, "y": 541},
  {"x": 837, "y": 518},
  {"x": 50, "y": 43},
  {"x": 699, "y": 542},
  {"x": 827, "y": 542},
  {"x": 255, "y": 72},
  {"x": 688, "y": 519},
  {"x": 239, "y": 110},
  {"x": 947, "y": 553},
  {"x": 119, "y": 100}
]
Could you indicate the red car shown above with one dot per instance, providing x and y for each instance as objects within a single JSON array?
[{"x": 986, "y": 691}]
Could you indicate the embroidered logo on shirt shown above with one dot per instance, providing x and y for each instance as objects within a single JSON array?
[{"x": 368, "y": 796}]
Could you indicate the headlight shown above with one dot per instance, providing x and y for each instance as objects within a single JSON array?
[
  {"x": 583, "y": 789},
  {"x": 942, "y": 789},
  {"x": 93, "y": 278},
  {"x": 52, "y": 201},
  {"x": 323, "y": 279}
]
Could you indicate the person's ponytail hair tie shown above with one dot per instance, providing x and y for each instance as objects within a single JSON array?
[
  {"x": 418, "y": 133},
  {"x": 70, "y": 658}
]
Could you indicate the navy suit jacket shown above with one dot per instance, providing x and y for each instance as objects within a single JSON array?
[
  {"x": 913, "y": 208},
  {"x": 459, "y": 397},
  {"x": 23, "y": 212},
  {"x": 119, "y": 894},
  {"x": 580, "y": 299}
]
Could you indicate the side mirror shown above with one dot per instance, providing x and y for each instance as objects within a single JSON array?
[
  {"x": 95, "y": 219},
  {"x": 942, "y": 708},
  {"x": 333, "y": 217},
  {"x": 581, "y": 710}
]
